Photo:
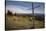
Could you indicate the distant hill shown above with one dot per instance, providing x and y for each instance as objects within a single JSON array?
[{"x": 36, "y": 14}]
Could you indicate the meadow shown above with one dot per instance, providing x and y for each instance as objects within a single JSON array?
[{"x": 22, "y": 22}]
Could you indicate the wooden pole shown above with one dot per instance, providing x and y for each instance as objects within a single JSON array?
[{"x": 33, "y": 15}]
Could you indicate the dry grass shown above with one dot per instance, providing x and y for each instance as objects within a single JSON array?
[{"x": 21, "y": 22}]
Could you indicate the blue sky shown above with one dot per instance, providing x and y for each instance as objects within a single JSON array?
[{"x": 24, "y": 7}]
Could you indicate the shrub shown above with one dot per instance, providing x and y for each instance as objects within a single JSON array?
[{"x": 9, "y": 13}]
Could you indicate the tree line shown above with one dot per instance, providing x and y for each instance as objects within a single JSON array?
[{"x": 10, "y": 13}]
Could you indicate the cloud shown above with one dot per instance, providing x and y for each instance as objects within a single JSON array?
[{"x": 17, "y": 9}]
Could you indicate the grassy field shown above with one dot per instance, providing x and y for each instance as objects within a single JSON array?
[{"x": 22, "y": 22}]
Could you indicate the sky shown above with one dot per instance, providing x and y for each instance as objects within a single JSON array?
[{"x": 24, "y": 7}]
